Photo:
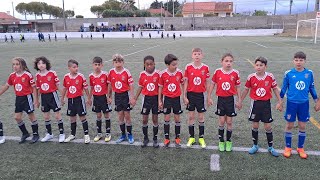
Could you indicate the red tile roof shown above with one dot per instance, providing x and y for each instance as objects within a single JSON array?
[
  {"x": 207, "y": 7},
  {"x": 8, "y": 19},
  {"x": 158, "y": 11}
]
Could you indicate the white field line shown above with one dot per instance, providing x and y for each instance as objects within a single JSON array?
[
  {"x": 184, "y": 146},
  {"x": 214, "y": 162},
  {"x": 145, "y": 49},
  {"x": 257, "y": 43}
]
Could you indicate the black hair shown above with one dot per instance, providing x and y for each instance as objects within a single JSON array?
[
  {"x": 147, "y": 58},
  {"x": 97, "y": 59},
  {"x": 169, "y": 58},
  {"x": 262, "y": 60},
  {"x": 72, "y": 61},
  {"x": 300, "y": 55},
  {"x": 44, "y": 60}
]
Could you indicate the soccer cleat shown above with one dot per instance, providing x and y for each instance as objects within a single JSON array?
[
  {"x": 130, "y": 138},
  {"x": 287, "y": 152},
  {"x": 228, "y": 146},
  {"x": 166, "y": 143},
  {"x": 86, "y": 139},
  {"x": 177, "y": 142},
  {"x": 70, "y": 138},
  {"x": 98, "y": 137},
  {"x": 34, "y": 139},
  {"x": 191, "y": 141},
  {"x": 107, "y": 138},
  {"x": 121, "y": 139},
  {"x": 145, "y": 143},
  {"x": 2, "y": 139},
  {"x": 202, "y": 143},
  {"x": 301, "y": 153},
  {"x": 62, "y": 137},
  {"x": 155, "y": 143},
  {"x": 273, "y": 152},
  {"x": 47, "y": 137},
  {"x": 24, "y": 138},
  {"x": 253, "y": 149},
  {"x": 222, "y": 146}
]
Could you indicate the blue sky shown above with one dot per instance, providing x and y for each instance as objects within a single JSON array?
[{"x": 83, "y": 6}]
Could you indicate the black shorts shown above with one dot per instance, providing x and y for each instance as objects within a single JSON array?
[
  {"x": 76, "y": 106},
  {"x": 260, "y": 111},
  {"x": 172, "y": 103},
  {"x": 50, "y": 101},
  {"x": 122, "y": 102},
  {"x": 150, "y": 103},
  {"x": 196, "y": 100},
  {"x": 226, "y": 106},
  {"x": 100, "y": 104},
  {"x": 24, "y": 103}
]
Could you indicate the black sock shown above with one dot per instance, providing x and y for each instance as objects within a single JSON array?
[
  {"x": 191, "y": 130},
  {"x": 229, "y": 133},
  {"x": 48, "y": 127},
  {"x": 145, "y": 131},
  {"x": 108, "y": 126},
  {"x": 99, "y": 123},
  {"x": 129, "y": 129},
  {"x": 85, "y": 127},
  {"x": 155, "y": 132},
  {"x": 255, "y": 134},
  {"x": 23, "y": 128},
  {"x": 177, "y": 129},
  {"x": 60, "y": 126},
  {"x": 201, "y": 129},
  {"x": 221, "y": 133},
  {"x": 269, "y": 137},
  {"x": 34, "y": 126},
  {"x": 73, "y": 128},
  {"x": 123, "y": 128},
  {"x": 1, "y": 129},
  {"x": 166, "y": 129}
]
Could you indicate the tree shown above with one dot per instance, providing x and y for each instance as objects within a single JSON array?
[
  {"x": 57, "y": 12},
  {"x": 128, "y": 5},
  {"x": 97, "y": 10},
  {"x": 23, "y": 8},
  {"x": 49, "y": 10},
  {"x": 36, "y": 8},
  {"x": 169, "y": 6},
  {"x": 155, "y": 5},
  {"x": 79, "y": 16},
  {"x": 260, "y": 13},
  {"x": 44, "y": 8},
  {"x": 69, "y": 13},
  {"x": 112, "y": 4}
]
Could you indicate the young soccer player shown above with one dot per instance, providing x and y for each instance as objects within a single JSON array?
[
  {"x": 148, "y": 86},
  {"x": 99, "y": 90},
  {"x": 47, "y": 83},
  {"x": 170, "y": 86},
  {"x": 297, "y": 84},
  {"x": 74, "y": 83},
  {"x": 227, "y": 81},
  {"x": 122, "y": 85},
  {"x": 196, "y": 75},
  {"x": 24, "y": 86},
  {"x": 261, "y": 84}
]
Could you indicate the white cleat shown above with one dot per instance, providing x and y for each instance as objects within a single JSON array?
[
  {"x": 86, "y": 139},
  {"x": 62, "y": 138},
  {"x": 70, "y": 138},
  {"x": 47, "y": 138},
  {"x": 2, "y": 139}
]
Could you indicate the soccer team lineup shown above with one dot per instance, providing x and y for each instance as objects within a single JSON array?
[{"x": 164, "y": 92}]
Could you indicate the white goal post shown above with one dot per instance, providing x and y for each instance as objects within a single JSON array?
[{"x": 313, "y": 23}]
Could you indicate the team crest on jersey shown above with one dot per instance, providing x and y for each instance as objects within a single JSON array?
[
  {"x": 202, "y": 72},
  {"x": 23, "y": 79},
  {"x": 266, "y": 83},
  {"x": 123, "y": 78},
  {"x": 306, "y": 75},
  {"x": 49, "y": 78},
  {"x": 155, "y": 79},
  {"x": 255, "y": 84},
  {"x": 77, "y": 81},
  {"x": 167, "y": 80},
  {"x": 102, "y": 80},
  {"x": 178, "y": 78},
  {"x": 232, "y": 78}
]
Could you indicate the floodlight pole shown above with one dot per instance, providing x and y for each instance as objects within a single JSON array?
[
  {"x": 64, "y": 17},
  {"x": 316, "y": 33},
  {"x": 307, "y": 6},
  {"x": 173, "y": 8},
  {"x": 12, "y": 9},
  {"x": 297, "y": 30},
  {"x": 275, "y": 7},
  {"x": 193, "y": 19}
]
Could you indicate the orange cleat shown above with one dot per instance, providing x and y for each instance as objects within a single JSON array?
[
  {"x": 301, "y": 153},
  {"x": 166, "y": 142},
  {"x": 287, "y": 152},
  {"x": 178, "y": 141}
]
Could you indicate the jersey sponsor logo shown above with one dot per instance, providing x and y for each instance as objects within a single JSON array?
[
  {"x": 72, "y": 89},
  {"x": 225, "y": 86},
  {"x": 197, "y": 81},
  {"x": 151, "y": 87},
  {"x": 97, "y": 88},
  {"x": 261, "y": 92},
  {"x": 300, "y": 85},
  {"x": 18, "y": 87},
  {"x": 118, "y": 85},
  {"x": 45, "y": 87},
  {"x": 172, "y": 87}
]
